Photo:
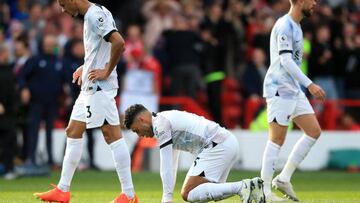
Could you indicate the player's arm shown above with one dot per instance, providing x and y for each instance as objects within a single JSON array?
[
  {"x": 77, "y": 75},
  {"x": 285, "y": 47},
  {"x": 117, "y": 48},
  {"x": 168, "y": 158},
  {"x": 105, "y": 27},
  {"x": 175, "y": 159},
  {"x": 167, "y": 171},
  {"x": 292, "y": 68},
  {"x": 289, "y": 64},
  {"x": 284, "y": 44}
]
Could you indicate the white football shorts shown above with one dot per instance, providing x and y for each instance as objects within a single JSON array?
[
  {"x": 215, "y": 163},
  {"x": 283, "y": 110},
  {"x": 96, "y": 109}
]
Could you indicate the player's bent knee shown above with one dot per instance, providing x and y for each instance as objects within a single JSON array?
[
  {"x": 315, "y": 133},
  {"x": 278, "y": 140},
  {"x": 108, "y": 140},
  {"x": 71, "y": 133},
  {"x": 185, "y": 192}
]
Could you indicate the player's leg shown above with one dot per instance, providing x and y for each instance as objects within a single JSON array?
[
  {"x": 306, "y": 120},
  {"x": 311, "y": 128},
  {"x": 74, "y": 145},
  {"x": 73, "y": 151},
  {"x": 206, "y": 178},
  {"x": 277, "y": 135},
  {"x": 121, "y": 156},
  {"x": 299, "y": 152},
  {"x": 279, "y": 111},
  {"x": 119, "y": 149}
]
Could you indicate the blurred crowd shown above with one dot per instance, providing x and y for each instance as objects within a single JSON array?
[{"x": 194, "y": 48}]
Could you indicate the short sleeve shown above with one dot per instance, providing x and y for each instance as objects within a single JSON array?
[
  {"x": 162, "y": 131},
  {"x": 103, "y": 24},
  {"x": 284, "y": 39}
]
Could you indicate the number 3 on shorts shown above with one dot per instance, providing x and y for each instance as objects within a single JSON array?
[{"x": 88, "y": 111}]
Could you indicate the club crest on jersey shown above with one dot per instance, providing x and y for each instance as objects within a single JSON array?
[
  {"x": 283, "y": 38},
  {"x": 100, "y": 19}
]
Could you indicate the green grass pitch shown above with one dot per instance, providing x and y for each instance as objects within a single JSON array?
[{"x": 97, "y": 187}]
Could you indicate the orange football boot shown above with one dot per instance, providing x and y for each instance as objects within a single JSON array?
[
  {"x": 54, "y": 195},
  {"x": 122, "y": 198}
]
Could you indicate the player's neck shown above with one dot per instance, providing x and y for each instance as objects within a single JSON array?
[
  {"x": 84, "y": 6},
  {"x": 295, "y": 14}
]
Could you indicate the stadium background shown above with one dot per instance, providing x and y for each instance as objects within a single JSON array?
[{"x": 204, "y": 56}]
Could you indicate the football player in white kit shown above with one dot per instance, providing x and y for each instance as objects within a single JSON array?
[
  {"x": 95, "y": 106},
  {"x": 215, "y": 148},
  {"x": 285, "y": 99}
]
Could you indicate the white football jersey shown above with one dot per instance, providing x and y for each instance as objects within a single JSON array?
[
  {"x": 286, "y": 37},
  {"x": 98, "y": 25},
  {"x": 186, "y": 131}
]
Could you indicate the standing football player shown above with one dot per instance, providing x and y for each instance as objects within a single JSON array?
[
  {"x": 215, "y": 148},
  {"x": 285, "y": 99},
  {"x": 95, "y": 106}
]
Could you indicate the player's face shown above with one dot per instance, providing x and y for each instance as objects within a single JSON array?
[
  {"x": 308, "y": 7},
  {"x": 142, "y": 127},
  {"x": 69, "y": 7}
]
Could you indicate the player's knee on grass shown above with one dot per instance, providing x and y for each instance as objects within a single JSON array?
[
  {"x": 186, "y": 190},
  {"x": 184, "y": 193}
]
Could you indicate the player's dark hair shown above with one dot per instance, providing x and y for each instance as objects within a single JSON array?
[{"x": 131, "y": 113}]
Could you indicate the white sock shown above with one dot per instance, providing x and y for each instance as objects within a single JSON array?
[
  {"x": 299, "y": 152},
  {"x": 71, "y": 160},
  {"x": 270, "y": 157},
  {"x": 214, "y": 191},
  {"x": 122, "y": 161}
]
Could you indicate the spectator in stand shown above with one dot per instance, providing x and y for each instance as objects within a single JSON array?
[
  {"x": 159, "y": 15},
  {"x": 253, "y": 77},
  {"x": 42, "y": 80},
  {"x": 16, "y": 29},
  {"x": 193, "y": 12},
  {"x": 34, "y": 26},
  {"x": 22, "y": 55},
  {"x": 182, "y": 48},
  {"x": 235, "y": 15},
  {"x": 349, "y": 122},
  {"x": 321, "y": 63},
  {"x": 214, "y": 31},
  {"x": 7, "y": 113},
  {"x": 19, "y": 10},
  {"x": 4, "y": 15},
  {"x": 133, "y": 41},
  {"x": 141, "y": 81},
  {"x": 262, "y": 37},
  {"x": 76, "y": 34},
  {"x": 353, "y": 71}
]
